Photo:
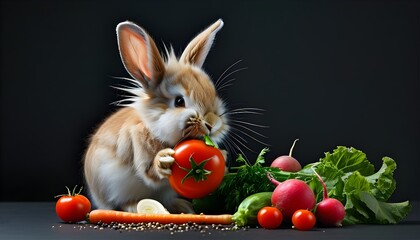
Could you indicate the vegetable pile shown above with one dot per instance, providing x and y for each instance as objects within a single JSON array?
[
  {"x": 348, "y": 175},
  {"x": 341, "y": 188}
]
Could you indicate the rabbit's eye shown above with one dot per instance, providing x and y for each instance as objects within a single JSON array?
[{"x": 179, "y": 102}]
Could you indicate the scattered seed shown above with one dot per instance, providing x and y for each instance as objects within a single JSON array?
[{"x": 171, "y": 227}]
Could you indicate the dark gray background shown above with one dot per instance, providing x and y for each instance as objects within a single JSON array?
[{"x": 330, "y": 73}]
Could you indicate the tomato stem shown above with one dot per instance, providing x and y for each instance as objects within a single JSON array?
[
  {"x": 70, "y": 193},
  {"x": 197, "y": 171},
  {"x": 80, "y": 190}
]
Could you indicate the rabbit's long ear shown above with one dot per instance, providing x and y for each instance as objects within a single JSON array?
[
  {"x": 139, "y": 54},
  {"x": 196, "y": 51}
]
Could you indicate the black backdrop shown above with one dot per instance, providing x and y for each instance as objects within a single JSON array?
[{"x": 330, "y": 73}]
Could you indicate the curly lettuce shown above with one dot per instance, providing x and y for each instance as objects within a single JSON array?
[{"x": 350, "y": 177}]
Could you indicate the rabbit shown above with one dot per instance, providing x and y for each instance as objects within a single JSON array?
[{"x": 129, "y": 156}]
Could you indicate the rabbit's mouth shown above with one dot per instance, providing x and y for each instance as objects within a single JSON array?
[
  {"x": 196, "y": 128},
  {"x": 211, "y": 125}
]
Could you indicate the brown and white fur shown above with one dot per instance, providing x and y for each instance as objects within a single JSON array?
[{"x": 130, "y": 155}]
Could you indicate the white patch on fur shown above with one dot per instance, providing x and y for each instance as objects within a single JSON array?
[
  {"x": 123, "y": 144},
  {"x": 170, "y": 125},
  {"x": 122, "y": 183}
]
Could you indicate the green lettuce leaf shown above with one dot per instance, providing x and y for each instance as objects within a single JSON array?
[
  {"x": 382, "y": 182},
  {"x": 356, "y": 211},
  {"x": 333, "y": 180},
  {"x": 356, "y": 183},
  {"x": 351, "y": 178},
  {"x": 349, "y": 160},
  {"x": 384, "y": 213},
  {"x": 362, "y": 206}
]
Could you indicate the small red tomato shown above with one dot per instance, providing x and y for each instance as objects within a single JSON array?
[
  {"x": 269, "y": 217},
  {"x": 72, "y": 207},
  {"x": 303, "y": 220},
  {"x": 198, "y": 169}
]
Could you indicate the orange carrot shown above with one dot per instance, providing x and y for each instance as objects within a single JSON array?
[{"x": 108, "y": 216}]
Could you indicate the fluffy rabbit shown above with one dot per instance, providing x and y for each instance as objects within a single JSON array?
[{"x": 130, "y": 155}]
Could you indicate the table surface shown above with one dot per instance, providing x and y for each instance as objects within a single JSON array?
[{"x": 37, "y": 220}]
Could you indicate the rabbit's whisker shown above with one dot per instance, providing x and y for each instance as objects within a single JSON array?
[
  {"x": 237, "y": 111},
  {"x": 134, "y": 82},
  {"x": 237, "y": 131},
  {"x": 248, "y": 123},
  {"x": 231, "y": 141},
  {"x": 221, "y": 75},
  {"x": 226, "y": 84},
  {"x": 241, "y": 130},
  {"x": 248, "y": 129},
  {"x": 225, "y": 77},
  {"x": 221, "y": 83},
  {"x": 134, "y": 90}
]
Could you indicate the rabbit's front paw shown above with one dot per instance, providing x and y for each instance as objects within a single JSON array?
[{"x": 164, "y": 161}]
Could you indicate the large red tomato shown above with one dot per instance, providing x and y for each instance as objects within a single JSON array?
[
  {"x": 198, "y": 169},
  {"x": 72, "y": 207}
]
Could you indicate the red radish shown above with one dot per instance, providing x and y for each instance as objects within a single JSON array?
[
  {"x": 287, "y": 162},
  {"x": 330, "y": 212},
  {"x": 291, "y": 195}
]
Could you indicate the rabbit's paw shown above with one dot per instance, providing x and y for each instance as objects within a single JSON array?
[{"x": 164, "y": 161}]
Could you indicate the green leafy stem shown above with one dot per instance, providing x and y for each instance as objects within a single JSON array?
[{"x": 197, "y": 171}]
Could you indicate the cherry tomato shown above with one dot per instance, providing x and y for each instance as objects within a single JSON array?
[
  {"x": 72, "y": 207},
  {"x": 303, "y": 220},
  {"x": 198, "y": 169},
  {"x": 269, "y": 217}
]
